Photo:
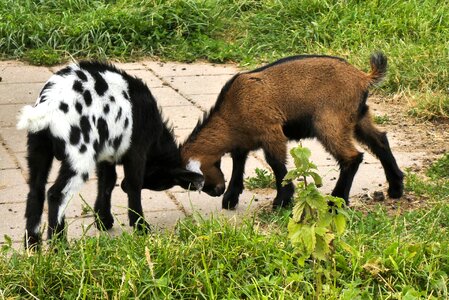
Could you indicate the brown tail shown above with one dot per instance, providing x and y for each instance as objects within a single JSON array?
[{"x": 378, "y": 62}]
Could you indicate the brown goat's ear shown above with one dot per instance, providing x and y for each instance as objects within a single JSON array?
[{"x": 188, "y": 179}]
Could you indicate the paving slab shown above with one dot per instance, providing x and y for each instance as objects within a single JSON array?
[
  {"x": 20, "y": 93},
  {"x": 199, "y": 85},
  {"x": 6, "y": 161},
  {"x": 18, "y": 72}
]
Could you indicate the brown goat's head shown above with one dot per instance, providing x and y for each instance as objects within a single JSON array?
[{"x": 214, "y": 182}]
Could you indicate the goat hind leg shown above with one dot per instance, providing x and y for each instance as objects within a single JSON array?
[
  {"x": 107, "y": 177},
  {"x": 40, "y": 158},
  {"x": 235, "y": 187},
  {"x": 378, "y": 143}
]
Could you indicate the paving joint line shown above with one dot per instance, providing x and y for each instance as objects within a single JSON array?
[
  {"x": 166, "y": 83},
  {"x": 13, "y": 157}
]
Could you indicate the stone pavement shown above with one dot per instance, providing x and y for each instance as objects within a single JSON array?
[{"x": 184, "y": 92}]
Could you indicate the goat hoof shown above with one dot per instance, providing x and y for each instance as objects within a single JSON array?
[
  {"x": 104, "y": 222},
  {"x": 32, "y": 242},
  {"x": 230, "y": 201},
  {"x": 396, "y": 192},
  {"x": 142, "y": 226},
  {"x": 281, "y": 203}
]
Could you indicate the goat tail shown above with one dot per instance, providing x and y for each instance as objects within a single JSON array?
[
  {"x": 34, "y": 119},
  {"x": 378, "y": 62}
]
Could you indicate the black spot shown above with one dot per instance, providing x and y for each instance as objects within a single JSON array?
[
  {"x": 47, "y": 86},
  {"x": 78, "y": 86},
  {"x": 85, "y": 176},
  {"x": 126, "y": 123},
  {"x": 117, "y": 142},
  {"x": 65, "y": 71},
  {"x": 119, "y": 114},
  {"x": 112, "y": 98},
  {"x": 43, "y": 99},
  {"x": 75, "y": 134},
  {"x": 79, "y": 107},
  {"x": 125, "y": 94},
  {"x": 96, "y": 146},
  {"x": 64, "y": 107},
  {"x": 83, "y": 148},
  {"x": 81, "y": 75},
  {"x": 103, "y": 131},
  {"x": 94, "y": 120},
  {"x": 85, "y": 128},
  {"x": 101, "y": 86},
  {"x": 87, "y": 97},
  {"x": 106, "y": 109}
]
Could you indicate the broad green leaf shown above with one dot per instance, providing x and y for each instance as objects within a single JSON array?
[
  {"x": 340, "y": 223},
  {"x": 298, "y": 210},
  {"x": 294, "y": 232},
  {"x": 322, "y": 249},
  {"x": 308, "y": 237},
  {"x": 316, "y": 178}
]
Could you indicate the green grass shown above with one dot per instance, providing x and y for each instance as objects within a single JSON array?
[
  {"x": 264, "y": 179},
  {"x": 413, "y": 34},
  {"x": 383, "y": 257}
]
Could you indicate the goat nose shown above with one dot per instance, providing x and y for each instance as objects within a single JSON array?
[{"x": 219, "y": 190}]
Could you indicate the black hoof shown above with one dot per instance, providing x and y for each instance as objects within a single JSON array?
[
  {"x": 142, "y": 226},
  {"x": 32, "y": 242},
  {"x": 230, "y": 201},
  {"x": 281, "y": 203},
  {"x": 104, "y": 222},
  {"x": 396, "y": 192}
]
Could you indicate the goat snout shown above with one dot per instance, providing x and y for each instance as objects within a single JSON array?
[{"x": 214, "y": 191}]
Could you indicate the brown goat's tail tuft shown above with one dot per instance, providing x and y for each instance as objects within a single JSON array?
[{"x": 378, "y": 62}]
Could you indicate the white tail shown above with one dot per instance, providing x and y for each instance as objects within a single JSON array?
[{"x": 33, "y": 118}]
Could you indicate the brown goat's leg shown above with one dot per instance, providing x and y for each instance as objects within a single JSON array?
[
  {"x": 235, "y": 187},
  {"x": 337, "y": 139},
  {"x": 275, "y": 149},
  {"x": 377, "y": 142},
  {"x": 348, "y": 168}
]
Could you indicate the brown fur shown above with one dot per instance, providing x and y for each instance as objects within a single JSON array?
[{"x": 326, "y": 92}]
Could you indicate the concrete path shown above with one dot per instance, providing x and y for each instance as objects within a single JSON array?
[{"x": 185, "y": 92}]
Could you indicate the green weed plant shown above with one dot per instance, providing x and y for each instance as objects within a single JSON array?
[{"x": 317, "y": 220}]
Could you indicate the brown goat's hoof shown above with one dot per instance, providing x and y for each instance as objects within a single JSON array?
[
  {"x": 230, "y": 200},
  {"x": 396, "y": 192},
  {"x": 281, "y": 203}
]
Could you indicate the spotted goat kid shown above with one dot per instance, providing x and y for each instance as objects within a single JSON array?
[{"x": 92, "y": 115}]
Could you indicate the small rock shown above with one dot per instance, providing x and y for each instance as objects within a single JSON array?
[{"x": 378, "y": 196}]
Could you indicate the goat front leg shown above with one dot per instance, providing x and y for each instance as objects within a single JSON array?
[
  {"x": 284, "y": 193},
  {"x": 235, "y": 187},
  {"x": 134, "y": 170},
  {"x": 106, "y": 181}
]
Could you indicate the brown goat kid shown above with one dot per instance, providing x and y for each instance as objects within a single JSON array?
[{"x": 293, "y": 98}]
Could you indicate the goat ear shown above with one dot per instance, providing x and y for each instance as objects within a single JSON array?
[{"x": 185, "y": 178}]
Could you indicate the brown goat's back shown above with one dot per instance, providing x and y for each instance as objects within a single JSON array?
[{"x": 296, "y": 89}]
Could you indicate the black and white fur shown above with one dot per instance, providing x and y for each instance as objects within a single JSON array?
[{"x": 92, "y": 115}]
